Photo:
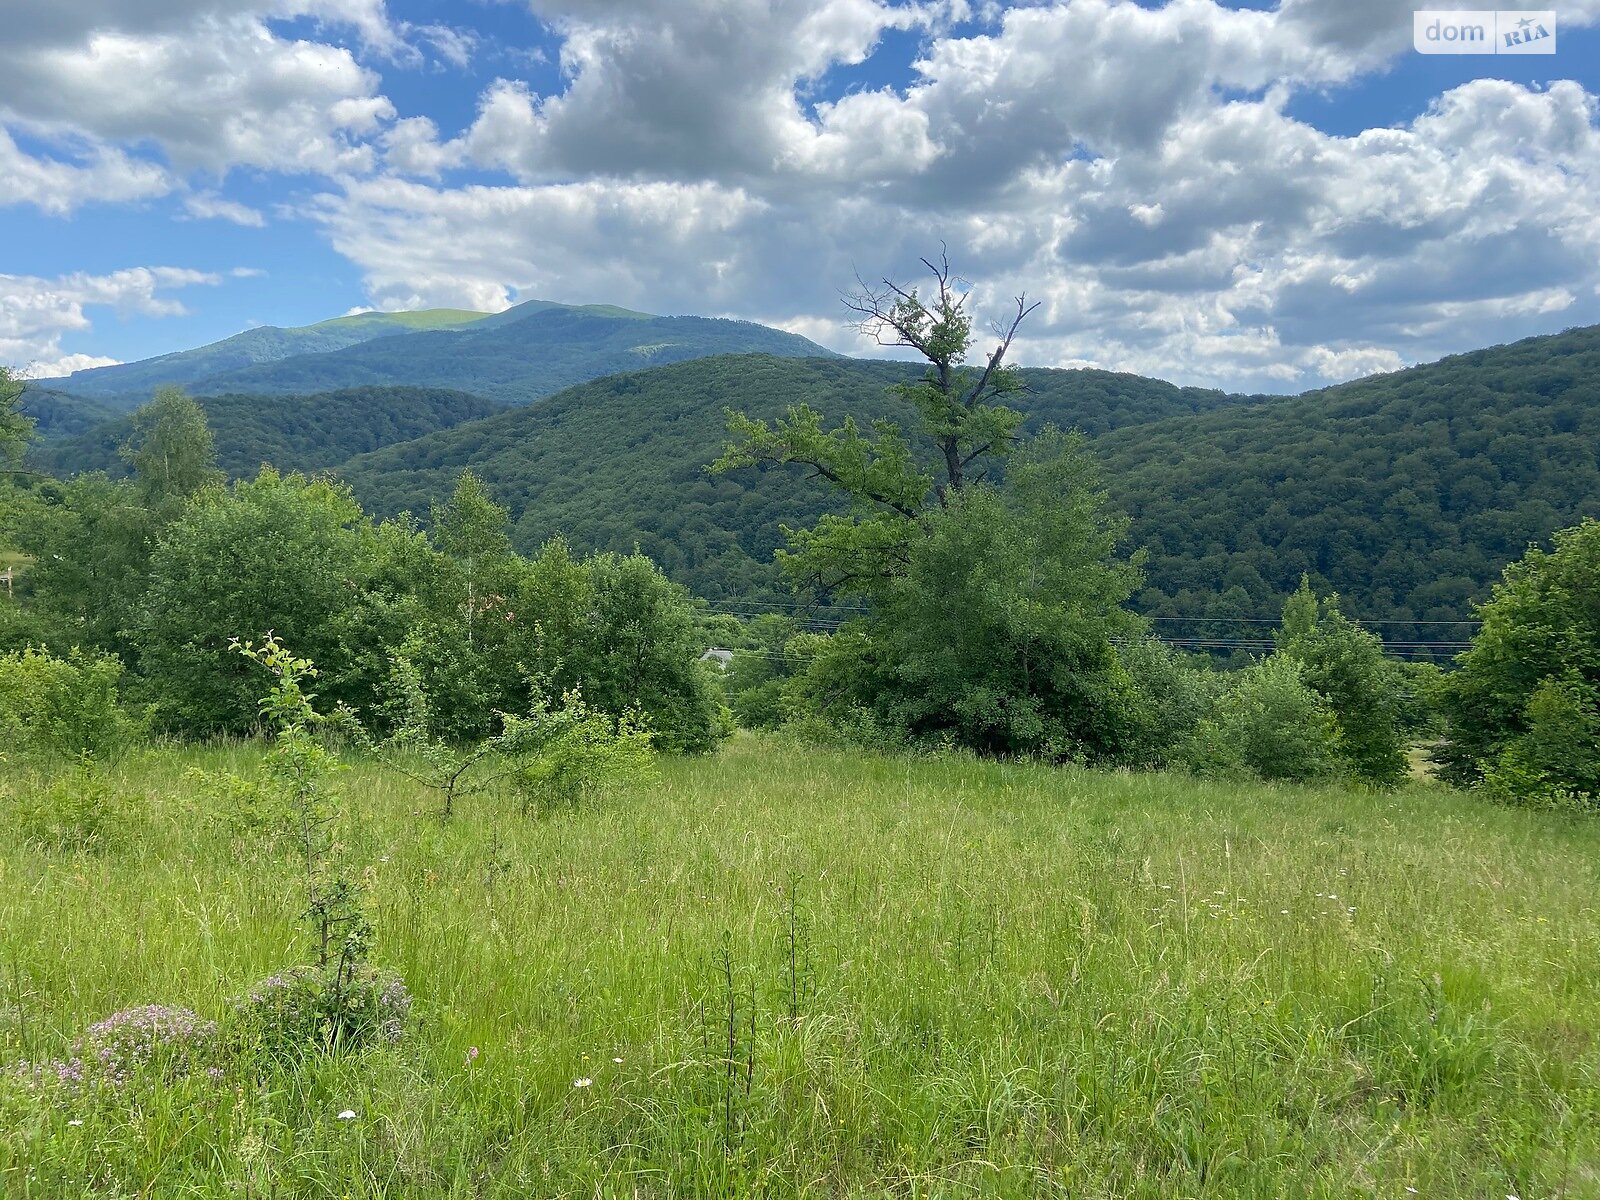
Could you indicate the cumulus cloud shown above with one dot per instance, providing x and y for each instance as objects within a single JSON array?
[
  {"x": 208, "y": 205},
  {"x": 222, "y": 94},
  {"x": 127, "y": 98},
  {"x": 1180, "y": 224},
  {"x": 57, "y": 185},
  {"x": 700, "y": 156},
  {"x": 35, "y": 313}
]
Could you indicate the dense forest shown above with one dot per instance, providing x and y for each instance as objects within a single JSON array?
[
  {"x": 621, "y": 461},
  {"x": 56, "y": 414},
  {"x": 296, "y": 433},
  {"x": 1406, "y": 493}
]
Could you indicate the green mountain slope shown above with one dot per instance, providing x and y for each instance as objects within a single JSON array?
[
  {"x": 293, "y": 433},
  {"x": 1407, "y": 493},
  {"x": 619, "y": 461},
  {"x": 129, "y": 384},
  {"x": 544, "y": 349},
  {"x": 528, "y": 307},
  {"x": 57, "y": 415}
]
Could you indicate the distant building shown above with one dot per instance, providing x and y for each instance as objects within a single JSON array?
[{"x": 723, "y": 658}]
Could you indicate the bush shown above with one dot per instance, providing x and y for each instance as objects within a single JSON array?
[
  {"x": 152, "y": 1041},
  {"x": 1365, "y": 691},
  {"x": 568, "y": 755},
  {"x": 1169, "y": 694},
  {"x": 1554, "y": 761},
  {"x": 1270, "y": 724},
  {"x": 61, "y": 707},
  {"x": 314, "y": 1008},
  {"x": 851, "y": 727}
]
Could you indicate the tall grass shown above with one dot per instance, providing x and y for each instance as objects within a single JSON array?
[{"x": 791, "y": 973}]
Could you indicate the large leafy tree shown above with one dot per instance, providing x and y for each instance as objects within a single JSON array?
[
  {"x": 278, "y": 554},
  {"x": 962, "y": 422},
  {"x": 471, "y": 530},
  {"x": 172, "y": 450},
  {"x": 993, "y": 606},
  {"x": 1524, "y": 708},
  {"x": 1001, "y": 629},
  {"x": 93, "y": 541},
  {"x": 15, "y": 426}
]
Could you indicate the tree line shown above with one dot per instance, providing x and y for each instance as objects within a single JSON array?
[
  {"x": 984, "y": 565},
  {"x": 159, "y": 571}
]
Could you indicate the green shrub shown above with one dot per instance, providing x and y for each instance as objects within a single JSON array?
[
  {"x": 853, "y": 726},
  {"x": 1365, "y": 691},
  {"x": 1270, "y": 724},
  {"x": 1523, "y": 711},
  {"x": 1169, "y": 694},
  {"x": 243, "y": 808},
  {"x": 314, "y": 1008},
  {"x": 1555, "y": 761},
  {"x": 568, "y": 755},
  {"x": 61, "y": 707}
]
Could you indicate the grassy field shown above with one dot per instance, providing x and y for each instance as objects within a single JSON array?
[{"x": 784, "y": 972}]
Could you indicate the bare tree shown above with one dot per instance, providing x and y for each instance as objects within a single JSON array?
[{"x": 958, "y": 405}]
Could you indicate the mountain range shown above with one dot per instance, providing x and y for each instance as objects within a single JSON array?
[
  {"x": 1406, "y": 493},
  {"x": 514, "y": 357}
]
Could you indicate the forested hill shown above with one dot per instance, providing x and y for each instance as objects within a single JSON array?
[
  {"x": 57, "y": 415},
  {"x": 127, "y": 385},
  {"x": 620, "y": 461},
  {"x": 1407, "y": 493},
  {"x": 300, "y": 433},
  {"x": 517, "y": 361}
]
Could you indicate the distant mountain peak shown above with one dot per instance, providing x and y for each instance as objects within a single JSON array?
[{"x": 513, "y": 357}]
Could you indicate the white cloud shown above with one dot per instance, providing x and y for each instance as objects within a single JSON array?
[
  {"x": 58, "y": 185},
  {"x": 223, "y": 94},
  {"x": 35, "y": 313},
  {"x": 59, "y": 368},
  {"x": 1132, "y": 166},
  {"x": 484, "y": 247},
  {"x": 208, "y": 205}
]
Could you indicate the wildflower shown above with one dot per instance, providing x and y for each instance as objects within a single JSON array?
[
  {"x": 582, "y": 1083},
  {"x": 472, "y": 1056},
  {"x": 348, "y": 1114},
  {"x": 151, "y": 1038},
  {"x": 75, "y": 1122}
]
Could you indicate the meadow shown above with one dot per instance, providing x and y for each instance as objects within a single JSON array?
[{"x": 779, "y": 971}]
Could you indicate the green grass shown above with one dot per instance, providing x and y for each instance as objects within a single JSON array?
[{"x": 948, "y": 979}]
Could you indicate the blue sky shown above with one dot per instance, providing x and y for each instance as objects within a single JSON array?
[{"x": 1257, "y": 196}]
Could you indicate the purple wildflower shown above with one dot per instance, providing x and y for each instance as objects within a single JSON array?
[{"x": 150, "y": 1039}]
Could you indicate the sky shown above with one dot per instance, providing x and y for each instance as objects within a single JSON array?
[{"x": 1266, "y": 196}]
